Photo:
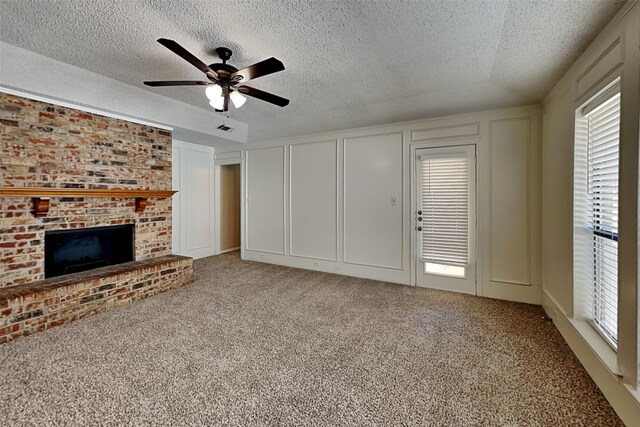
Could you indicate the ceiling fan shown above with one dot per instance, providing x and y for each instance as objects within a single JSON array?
[{"x": 225, "y": 80}]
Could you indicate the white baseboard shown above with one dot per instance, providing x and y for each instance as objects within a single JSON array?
[
  {"x": 624, "y": 400},
  {"x": 328, "y": 266},
  {"x": 512, "y": 292}
]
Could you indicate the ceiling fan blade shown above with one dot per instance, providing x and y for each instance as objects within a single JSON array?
[
  {"x": 178, "y": 83},
  {"x": 188, "y": 56},
  {"x": 268, "y": 66},
  {"x": 265, "y": 96}
]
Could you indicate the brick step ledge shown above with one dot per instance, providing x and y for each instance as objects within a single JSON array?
[{"x": 37, "y": 306}]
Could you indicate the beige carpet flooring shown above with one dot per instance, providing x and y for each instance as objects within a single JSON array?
[{"x": 255, "y": 344}]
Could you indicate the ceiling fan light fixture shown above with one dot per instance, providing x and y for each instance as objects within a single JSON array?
[
  {"x": 213, "y": 92},
  {"x": 237, "y": 99},
  {"x": 217, "y": 103}
]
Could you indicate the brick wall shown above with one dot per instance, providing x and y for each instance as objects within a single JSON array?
[{"x": 45, "y": 145}]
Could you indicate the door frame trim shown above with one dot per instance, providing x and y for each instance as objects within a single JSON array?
[
  {"x": 413, "y": 223},
  {"x": 217, "y": 204}
]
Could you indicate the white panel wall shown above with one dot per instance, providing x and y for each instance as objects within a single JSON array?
[
  {"x": 509, "y": 234},
  {"x": 265, "y": 181},
  {"x": 313, "y": 193},
  {"x": 198, "y": 192},
  {"x": 373, "y": 173},
  {"x": 614, "y": 54},
  {"x": 557, "y": 207},
  {"x": 193, "y": 225},
  {"x": 508, "y": 151},
  {"x": 342, "y": 201}
]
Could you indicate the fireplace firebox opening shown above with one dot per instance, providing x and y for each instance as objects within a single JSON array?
[{"x": 76, "y": 250}]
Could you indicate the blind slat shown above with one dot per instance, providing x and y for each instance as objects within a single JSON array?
[
  {"x": 445, "y": 206},
  {"x": 603, "y": 140}
]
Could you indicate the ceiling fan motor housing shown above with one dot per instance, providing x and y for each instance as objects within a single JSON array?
[{"x": 223, "y": 70}]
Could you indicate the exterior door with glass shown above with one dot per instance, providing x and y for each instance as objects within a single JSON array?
[{"x": 446, "y": 218}]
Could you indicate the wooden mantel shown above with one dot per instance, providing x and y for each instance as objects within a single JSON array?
[{"x": 41, "y": 195}]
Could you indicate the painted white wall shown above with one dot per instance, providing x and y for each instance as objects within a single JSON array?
[
  {"x": 58, "y": 82},
  {"x": 614, "y": 54},
  {"x": 193, "y": 204},
  {"x": 342, "y": 201}
]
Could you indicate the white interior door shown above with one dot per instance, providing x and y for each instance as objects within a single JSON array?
[{"x": 445, "y": 218}]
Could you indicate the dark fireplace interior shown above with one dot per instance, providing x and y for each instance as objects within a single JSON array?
[{"x": 73, "y": 251}]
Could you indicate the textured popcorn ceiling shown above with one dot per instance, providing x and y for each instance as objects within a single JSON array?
[{"x": 348, "y": 63}]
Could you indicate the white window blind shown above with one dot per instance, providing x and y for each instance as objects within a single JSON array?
[
  {"x": 445, "y": 209},
  {"x": 603, "y": 141}
]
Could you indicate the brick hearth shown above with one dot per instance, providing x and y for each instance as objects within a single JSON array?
[{"x": 41, "y": 305}]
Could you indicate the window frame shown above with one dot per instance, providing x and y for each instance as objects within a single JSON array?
[{"x": 584, "y": 231}]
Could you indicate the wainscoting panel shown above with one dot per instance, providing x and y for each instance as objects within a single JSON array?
[
  {"x": 313, "y": 179},
  {"x": 265, "y": 200},
  {"x": 463, "y": 131},
  {"x": 198, "y": 215},
  {"x": 373, "y": 200},
  {"x": 509, "y": 201},
  {"x": 193, "y": 213}
]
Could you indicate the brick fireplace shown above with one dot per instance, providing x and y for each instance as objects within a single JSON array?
[{"x": 45, "y": 146}]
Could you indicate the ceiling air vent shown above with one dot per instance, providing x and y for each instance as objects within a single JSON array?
[{"x": 225, "y": 128}]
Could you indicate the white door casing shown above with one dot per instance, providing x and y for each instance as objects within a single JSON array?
[{"x": 445, "y": 180}]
